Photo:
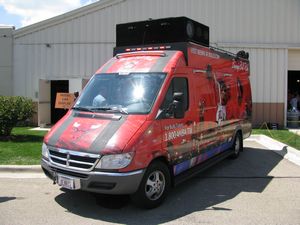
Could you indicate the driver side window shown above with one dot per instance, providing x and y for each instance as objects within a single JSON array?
[{"x": 178, "y": 84}]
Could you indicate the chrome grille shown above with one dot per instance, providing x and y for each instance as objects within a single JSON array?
[{"x": 73, "y": 160}]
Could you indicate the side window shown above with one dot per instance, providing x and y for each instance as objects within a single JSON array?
[{"x": 178, "y": 84}]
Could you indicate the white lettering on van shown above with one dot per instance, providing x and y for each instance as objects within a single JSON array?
[
  {"x": 200, "y": 52},
  {"x": 240, "y": 65},
  {"x": 173, "y": 126},
  {"x": 171, "y": 135}
]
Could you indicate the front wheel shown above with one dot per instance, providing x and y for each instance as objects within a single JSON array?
[
  {"x": 237, "y": 146},
  {"x": 154, "y": 186}
]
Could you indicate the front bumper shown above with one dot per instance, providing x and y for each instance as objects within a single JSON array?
[{"x": 99, "y": 182}]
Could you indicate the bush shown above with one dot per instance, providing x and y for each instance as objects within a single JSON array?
[{"x": 13, "y": 109}]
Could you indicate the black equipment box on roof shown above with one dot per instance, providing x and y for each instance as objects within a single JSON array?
[{"x": 167, "y": 30}]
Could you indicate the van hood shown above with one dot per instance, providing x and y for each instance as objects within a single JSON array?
[{"x": 94, "y": 132}]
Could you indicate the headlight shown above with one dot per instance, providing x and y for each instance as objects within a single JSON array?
[
  {"x": 45, "y": 152},
  {"x": 116, "y": 161}
]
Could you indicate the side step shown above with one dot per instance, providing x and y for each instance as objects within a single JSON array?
[{"x": 201, "y": 167}]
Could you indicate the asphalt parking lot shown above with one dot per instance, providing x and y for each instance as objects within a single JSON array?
[{"x": 260, "y": 187}]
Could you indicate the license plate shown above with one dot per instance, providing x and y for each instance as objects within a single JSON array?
[{"x": 67, "y": 182}]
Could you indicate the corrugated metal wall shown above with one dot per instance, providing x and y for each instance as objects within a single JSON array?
[
  {"x": 77, "y": 47},
  {"x": 233, "y": 21},
  {"x": 6, "y": 60},
  {"x": 268, "y": 68}
]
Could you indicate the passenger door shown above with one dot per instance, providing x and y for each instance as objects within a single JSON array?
[{"x": 176, "y": 132}]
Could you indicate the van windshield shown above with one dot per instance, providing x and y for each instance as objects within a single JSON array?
[{"x": 133, "y": 93}]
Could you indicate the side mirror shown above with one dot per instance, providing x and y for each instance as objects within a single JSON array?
[
  {"x": 175, "y": 108},
  {"x": 178, "y": 105}
]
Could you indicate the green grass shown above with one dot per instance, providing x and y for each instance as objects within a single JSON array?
[
  {"x": 22, "y": 148},
  {"x": 283, "y": 136}
]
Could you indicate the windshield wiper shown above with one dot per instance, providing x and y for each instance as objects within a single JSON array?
[
  {"x": 82, "y": 109},
  {"x": 101, "y": 108},
  {"x": 121, "y": 110},
  {"x": 114, "y": 109}
]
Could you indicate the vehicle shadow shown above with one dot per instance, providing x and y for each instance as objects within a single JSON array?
[
  {"x": 5, "y": 199},
  {"x": 224, "y": 181}
]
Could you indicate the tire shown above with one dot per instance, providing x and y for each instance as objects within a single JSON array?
[
  {"x": 154, "y": 186},
  {"x": 237, "y": 146}
]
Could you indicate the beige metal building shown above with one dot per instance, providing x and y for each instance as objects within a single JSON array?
[{"x": 64, "y": 51}]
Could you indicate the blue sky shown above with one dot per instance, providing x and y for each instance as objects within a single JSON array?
[{"x": 20, "y": 13}]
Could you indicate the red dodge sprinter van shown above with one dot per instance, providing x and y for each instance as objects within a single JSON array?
[{"x": 164, "y": 108}]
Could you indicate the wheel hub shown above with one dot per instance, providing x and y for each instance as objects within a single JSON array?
[{"x": 155, "y": 185}]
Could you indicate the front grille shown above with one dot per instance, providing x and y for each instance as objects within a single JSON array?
[{"x": 71, "y": 159}]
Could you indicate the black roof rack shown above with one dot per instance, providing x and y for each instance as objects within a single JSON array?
[{"x": 167, "y": 30}]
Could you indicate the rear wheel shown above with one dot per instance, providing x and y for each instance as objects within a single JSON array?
[
  {"x": 237, "y": 146},
  {"x": 154, "y": 186}
]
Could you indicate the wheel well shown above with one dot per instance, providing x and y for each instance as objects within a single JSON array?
[
  {"x": 162, "y": 159},
  {"x": 165, "y": 161}
]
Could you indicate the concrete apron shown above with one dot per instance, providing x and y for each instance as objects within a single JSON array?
[{"x": 287, "y": 152}]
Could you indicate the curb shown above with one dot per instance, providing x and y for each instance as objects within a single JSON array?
[
  {"x": 21, "y": 169},
  {"x": 287, "y": 152}
]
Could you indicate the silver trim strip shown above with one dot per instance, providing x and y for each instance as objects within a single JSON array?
[
  {"x": 81, "y": 162},
  {"x": 118, "y": 174},
  {"x": 56, "y": 157},
  {"x": 84, "y": 154}
]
